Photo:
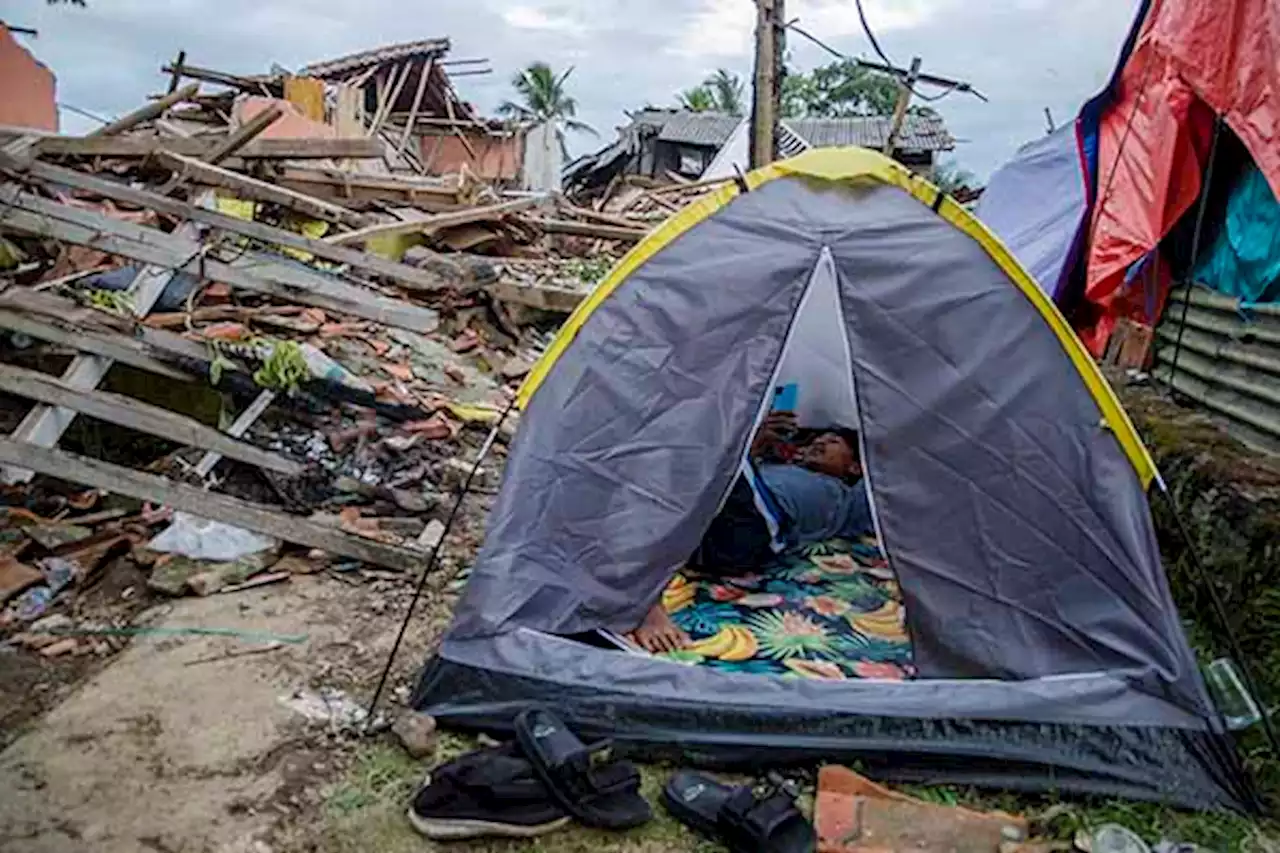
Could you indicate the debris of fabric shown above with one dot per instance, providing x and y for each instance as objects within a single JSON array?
[{"x": 203, "y": 539}]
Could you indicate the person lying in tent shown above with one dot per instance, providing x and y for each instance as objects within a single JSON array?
[{"x": 817, "y": 495}]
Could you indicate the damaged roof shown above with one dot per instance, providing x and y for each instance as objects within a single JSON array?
[
  {"x": 689, "y": 128},
  {"x": 354, "y": 63},
  {"x": 920, "y": 133}
]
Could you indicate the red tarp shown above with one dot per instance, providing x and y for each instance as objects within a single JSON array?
[{"x": 1193, "y": 58}]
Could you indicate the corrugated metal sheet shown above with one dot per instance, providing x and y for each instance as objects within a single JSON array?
[
  {"x": 1229, "y": 361},
  {"x": 920, "y": 134},
  {"x": 706, "y": 129},
  {"x": 347, "y": 66}
]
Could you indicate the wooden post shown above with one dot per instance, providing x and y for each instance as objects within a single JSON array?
[
  {"x": 147, "y": 112},
  {"x": 767, "y": 87},
  {"x": 176, "y": 75},
  {"x": 905, "y": 86},
  {"x": 245, "y": 134}
]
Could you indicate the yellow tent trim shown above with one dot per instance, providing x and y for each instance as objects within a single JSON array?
[{"x": 841, "y": 165}]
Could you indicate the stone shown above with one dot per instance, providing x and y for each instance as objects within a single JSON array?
[
  {"x": 431, "y": 535},
  {"x": 417, "y": 734},
  {"x": 50, "y": 624},
  {"x": 60, "y": 648}
]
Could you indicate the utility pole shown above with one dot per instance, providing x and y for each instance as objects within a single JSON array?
[
  {"x": 906, "y": 85},
  {"x": 767, "y": 86}
]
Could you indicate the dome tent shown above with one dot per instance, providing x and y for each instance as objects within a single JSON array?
[{"x": 1008, "y": 489}]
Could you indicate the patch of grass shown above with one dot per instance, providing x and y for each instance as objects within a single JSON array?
[
  {"x": 381, "y": 773},
  {"x": 366, "y": 811}
]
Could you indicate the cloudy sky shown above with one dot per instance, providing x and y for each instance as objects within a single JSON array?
[{"x": 1025, "y": 55}]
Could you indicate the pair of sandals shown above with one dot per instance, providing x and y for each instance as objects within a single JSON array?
[{"x": 549, "y": 776}]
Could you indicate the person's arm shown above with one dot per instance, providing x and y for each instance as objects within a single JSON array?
[{"x": 776, "y": 429}]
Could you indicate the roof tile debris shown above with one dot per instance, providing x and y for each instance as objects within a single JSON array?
[{"x": 347, "y": 66}]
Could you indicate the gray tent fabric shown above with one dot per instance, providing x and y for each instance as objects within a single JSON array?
[
  {"x": 661, "y": 389},
  {"x": 1041, "y": 227},
  {"x": 1018, "y": 529},
  {"x": 1041, "y": 557}
]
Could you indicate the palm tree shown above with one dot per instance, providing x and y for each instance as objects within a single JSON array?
[
  {"x": 698, "y": 99},
  {"x": 727, "y": 92},
  {"x": 544, "y": 101}
]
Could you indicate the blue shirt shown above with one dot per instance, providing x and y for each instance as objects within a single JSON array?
[{"x": 818, "y": 506}]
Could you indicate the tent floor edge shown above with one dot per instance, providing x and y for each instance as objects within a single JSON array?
[{"x": 1177, "y": 767}]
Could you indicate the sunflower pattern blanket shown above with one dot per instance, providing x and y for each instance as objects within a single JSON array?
[{"x": 832, "y": 612}]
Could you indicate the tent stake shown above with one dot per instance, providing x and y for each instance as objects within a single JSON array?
[
  {"x": 435, "y": 555},
  {"x": 1220, "y": 610}
]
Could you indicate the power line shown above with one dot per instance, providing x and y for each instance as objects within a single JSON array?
[{"x": 949, "y": 85}]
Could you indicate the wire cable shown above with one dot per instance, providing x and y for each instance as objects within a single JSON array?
[
  {"x": 949, "y": 87},
  {"x": 435, "y": 555}
]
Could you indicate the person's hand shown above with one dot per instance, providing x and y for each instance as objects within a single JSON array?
[{"x": 777, "y": 427}]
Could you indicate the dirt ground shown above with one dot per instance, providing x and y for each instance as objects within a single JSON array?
[{"x": 182, "y": 744}]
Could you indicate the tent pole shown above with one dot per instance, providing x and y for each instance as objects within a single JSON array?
[
  {"x": 435, "y": 555},
  {"x": 1195, "y": 248},
  {"x": 1220, "y": 610}
]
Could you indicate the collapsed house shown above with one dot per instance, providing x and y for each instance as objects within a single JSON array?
[
  {"x": 665, "y": 145},
  {"x": 290, "y": 308}
]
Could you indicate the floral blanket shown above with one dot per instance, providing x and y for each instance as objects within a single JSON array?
[{"x": 832, "y": 612}]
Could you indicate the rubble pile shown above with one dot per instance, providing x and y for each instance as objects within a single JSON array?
[{"x": 260, "y": 327}]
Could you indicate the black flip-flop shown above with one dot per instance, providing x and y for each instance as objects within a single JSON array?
[
  {"x": 583, "y": 779},
  {"x": 744, "y": 819}
]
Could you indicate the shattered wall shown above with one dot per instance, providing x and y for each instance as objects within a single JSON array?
[{"x": 27, "y": 88}]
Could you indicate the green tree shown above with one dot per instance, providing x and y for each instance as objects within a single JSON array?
[
  {"x": 722, "y": 92},
  {"x": 727, "y": 90},
  {"x": 543, "y": 99},
  {"x": 698, "y": 99},
  {"x": 949, "y": 176},
  {"x": 839, "y": 90}
]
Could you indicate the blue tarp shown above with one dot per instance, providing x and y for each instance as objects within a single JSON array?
[{"x": 1244, "y": 260}]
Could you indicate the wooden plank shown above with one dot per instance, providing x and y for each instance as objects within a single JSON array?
[
  {"x": 247, "y": 419},
  {"x": 108, "y": 344},
  {"x": 585, "y": 229},
  {"x": 137, "y": 415},
  {"x": 249, "y": 271},
  {"x": 256, "y": 517},
  {"x": 381, "y": 115},
  {"x": 197, "y": 172},
  {"x": 677, "y": 188},
  {"x": 435, "y": 223},
  {"x": 243, "y": 135},
  {"x": 545, "y": 298},
  {"x": 427, "y": 66},
  {"x": 45, "y": 425},
  {"x": 256, "y": 86},
  {"x": 146, "y": 112},
  {"x": 260, "y": 149},
  {"x": 407, "y": 276}
]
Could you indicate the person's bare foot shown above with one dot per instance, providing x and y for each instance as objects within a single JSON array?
[{"x": 658, "y": 634}]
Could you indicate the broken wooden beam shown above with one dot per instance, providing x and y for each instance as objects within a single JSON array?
[
  {"x": 252, "y": 85},
  {"x": 137, "y": 415},
  {"x": 194, "y": 171},
  {"x": 250, "y": 516},
  {"x": 406, "y": 276},
  {"x": 110, "y": 345},
  {"x": 243, "y": 135},
  {"x": 371, "y": 190},
  {"x": 146, "y": 112},
  {"x": 139, "y": 147},
  {"x": 560, "y": 300},
  {"x": 430, "y": 224},
  {"x": 250, "y": 271},
  {"x": 585, "y": 229}
]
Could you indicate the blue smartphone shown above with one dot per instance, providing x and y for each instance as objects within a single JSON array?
[{"x": 785, "y": 397}]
